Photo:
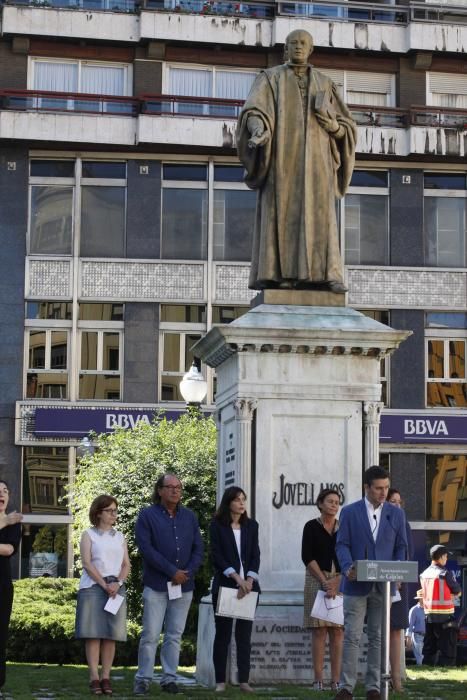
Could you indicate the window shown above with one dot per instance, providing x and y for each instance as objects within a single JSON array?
[
  {"x": 58, "y": 189},
  {"x": 47, "y": 364},
  {"x": 445, "y": 219},
  {"x": 446, "y": 492},
  {"x": 56, "y": 310},
  {"x": 45, "y": 476},
  {"x": 227, "y": 314},
  {"x": 382, "y": 317},
  {"x": 100, "y": 365},
  {"x": 184, "y": 212},
  {"x": 363, "y": 88},
  {"x": 208, "y": 81},
  {"x": 233, "y": 215},
  {"x": 176, "y": 359},
  {"x": 74, "y": 76},
  {"x": 447, "y": 90},
  {"x": 446, "y": 380},
  {"x": 366, "y": 219}
]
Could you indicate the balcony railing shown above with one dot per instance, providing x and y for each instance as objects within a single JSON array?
[
  {"x": 46, "y": 101},
  {"x": 257, "y": 10},
  {"x": 96, "y": 5},
  {"x": 353, "y": 11},
  {"x": 210, "y": 107}
]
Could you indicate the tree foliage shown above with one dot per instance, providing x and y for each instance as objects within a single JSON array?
[{"x": 126, "y": 465}]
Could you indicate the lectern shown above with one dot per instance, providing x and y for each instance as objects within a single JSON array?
[{"x": 385, "y": 573}]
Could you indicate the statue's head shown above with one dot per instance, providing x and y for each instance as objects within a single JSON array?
[{"x": 298, "y": 47}]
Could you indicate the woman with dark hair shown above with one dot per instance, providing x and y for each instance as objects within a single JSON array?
[
  {"x": 106, "y": 565},
  {"x": 10, "y": 535},
  {"x": 235, "y": 558},
  {"x": 399, "y": 608},
  {"x": 322, "y": 573}
]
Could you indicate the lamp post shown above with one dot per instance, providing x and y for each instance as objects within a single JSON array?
[
  {"x": 193, "y": 387},
  {"x": 85, "y": 448}
]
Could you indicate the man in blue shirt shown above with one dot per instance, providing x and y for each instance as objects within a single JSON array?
[
  {"x": 416, "y": 630},
  {"x": 168, "y": 537}
]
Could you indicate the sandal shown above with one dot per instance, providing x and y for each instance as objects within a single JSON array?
[
  {"x": 95, "y": 687},
  {"x": 106, "y": 687}
]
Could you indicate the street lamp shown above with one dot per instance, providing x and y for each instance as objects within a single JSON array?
[
  {"x": 193, "y": 387},
  {"x": 85, "y": 448}
]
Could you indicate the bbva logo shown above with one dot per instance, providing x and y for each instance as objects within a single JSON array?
[
  {"x": 124, "y": 420},
  {"x": 425, "y": 426}
]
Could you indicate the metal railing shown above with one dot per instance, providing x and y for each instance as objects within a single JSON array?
[
  {"x": 95, "y": 5},
  {"x": 259, "y": 10},
  {"x": 347, "y": 11},
  {"x": 210, "y": 107},
  {"x": 427, "y": 12}
]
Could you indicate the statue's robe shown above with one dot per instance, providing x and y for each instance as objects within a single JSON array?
[{"x": 299, "y": 172}]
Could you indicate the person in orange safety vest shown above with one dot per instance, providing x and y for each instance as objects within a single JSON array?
[{"x": 439, "y": 590}]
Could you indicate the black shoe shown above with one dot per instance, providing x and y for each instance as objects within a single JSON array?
[{"x": 170, "y": 688}]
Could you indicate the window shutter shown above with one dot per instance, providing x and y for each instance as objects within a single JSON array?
[{"x": 447, "y": 83}]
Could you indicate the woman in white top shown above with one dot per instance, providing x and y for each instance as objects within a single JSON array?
[{"x": 106, "y": 565}]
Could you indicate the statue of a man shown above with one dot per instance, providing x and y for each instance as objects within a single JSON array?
[{"x": 296, "y": 139}]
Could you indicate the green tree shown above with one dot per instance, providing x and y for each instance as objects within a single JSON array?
[{"x": 126, "y": 465}]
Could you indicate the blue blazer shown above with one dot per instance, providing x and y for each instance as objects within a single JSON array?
[
  {"x": 224, "y": 552},
  {"x": 355, "y": 541}
]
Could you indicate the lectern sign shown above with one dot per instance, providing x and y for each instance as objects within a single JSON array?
[{"x": 387, "y": 570}]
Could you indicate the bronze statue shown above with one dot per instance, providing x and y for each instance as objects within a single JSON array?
[{"x": 296, "y": 139}]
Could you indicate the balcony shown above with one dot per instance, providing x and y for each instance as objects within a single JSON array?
[
  {"x": 333, "y": 23},
  {"x": 199, "y": 122}
]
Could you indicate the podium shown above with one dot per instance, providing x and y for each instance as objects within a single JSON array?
[{"x": 386, "y": 572}]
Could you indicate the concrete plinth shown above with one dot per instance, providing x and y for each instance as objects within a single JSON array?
[{"x": 298, "y": 402}]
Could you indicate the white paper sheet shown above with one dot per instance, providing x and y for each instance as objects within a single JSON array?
[
  {"x": 174, "y": 589},
  {"x": 329, "y": 609},
  {"x": 113, "y": 605},
  {"x": 228, "y": 605}
]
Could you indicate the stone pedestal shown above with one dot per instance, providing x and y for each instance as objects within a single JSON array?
[{"x": 298, "y": 403}]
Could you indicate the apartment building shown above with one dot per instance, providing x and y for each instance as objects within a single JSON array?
[{"x": 125, "y": 226}]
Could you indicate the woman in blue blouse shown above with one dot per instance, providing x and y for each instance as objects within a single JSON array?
[{"x": 235, "y": 558}]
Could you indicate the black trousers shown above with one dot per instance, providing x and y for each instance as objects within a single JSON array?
[
  {"x": 6, "y": 603},
  {"x": 243, "y": 629},
  {"x": 439, "y": 645}
]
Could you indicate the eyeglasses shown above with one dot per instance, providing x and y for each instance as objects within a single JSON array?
[
  {"x": 112, "y": 511},
  {"x": 172, "y": 488}
]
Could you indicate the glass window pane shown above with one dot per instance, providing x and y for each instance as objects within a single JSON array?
[
  {"x": 101, "y": 312},
  {"x": 445, "y": 225},
  {"x": 51, "y": 220},
  {"x": 184, "y": 224},
  {"x": 49, "y": 309},
  {"x": 446, "y": 320},
  {"x": 228, "y": 173},
  {"x": 45, "y": 475},
  {"x": 99, "y": 386},
  {"x": 435, "y": 358},
  {"x": 445, "y": 181},
  {"x": 226, "y": 314},
  {"x": 457, "y": 359},
  {"x": 44, "y": 551},
  {"x": 37, "y": 349},
  {"x": 190, "y": 340},
  {"x": 89, "y": 350},
  {"x": 171, "y": 360},
  {"x": 185, "y": 172},
  {"x": 446, "y": 488},
  {"x": 184, "y": 314},
  {"x": 55, "y": 76},
  {"x": 102, "y": 79},
  {"x": 103, "y": 170},
  {"x": 447, "y": 394},
  {"x": 366, "y": 228},
  {"x": 103, "y": 222},
  {"x": 47, "y": 385},
  {"x": 58, "y": 350},
  {"x": 53, "y": 168},
  {"x": 234, "y": 220},
  {"x": 170, "y": 388},
  {"x": 111, "y": 352},
  {"x": 369, "y": 178}
]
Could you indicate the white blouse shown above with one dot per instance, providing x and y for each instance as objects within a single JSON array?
[
  {"x": 107, "y": 549},
  {"x": 237, "y": 535}
]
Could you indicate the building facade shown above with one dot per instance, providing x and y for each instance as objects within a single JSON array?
[{"x": 126, "y": 228}]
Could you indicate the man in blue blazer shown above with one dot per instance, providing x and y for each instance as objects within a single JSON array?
[{"x": 368, "y": 529}]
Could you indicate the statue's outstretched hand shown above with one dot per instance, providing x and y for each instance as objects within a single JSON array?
[{"x": 258, "y": 134}]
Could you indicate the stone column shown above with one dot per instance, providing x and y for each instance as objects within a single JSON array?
[
  {"x": 244, "y": 409},
  {"x": 371, "y": 421}
]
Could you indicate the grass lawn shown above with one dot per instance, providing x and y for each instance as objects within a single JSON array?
[{"x": 50, "y": 682}]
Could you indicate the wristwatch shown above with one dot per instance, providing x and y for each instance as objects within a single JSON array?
[{"x": 120, "y": 583}]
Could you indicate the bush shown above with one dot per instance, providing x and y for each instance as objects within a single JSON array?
[{"x": 127, "y": 463}]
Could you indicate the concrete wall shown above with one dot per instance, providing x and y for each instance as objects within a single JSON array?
[
  {"x": 406, "y": 218},
  {"x": 143, "y": 209},
  {"x": 407, "y": 381},
  {"x": 140, "y": 353}
]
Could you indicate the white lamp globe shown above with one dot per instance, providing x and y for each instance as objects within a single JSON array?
[{"x": 193, "y": 386}]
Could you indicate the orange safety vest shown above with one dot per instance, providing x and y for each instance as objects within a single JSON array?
[{"x": 437, "y": 596}]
